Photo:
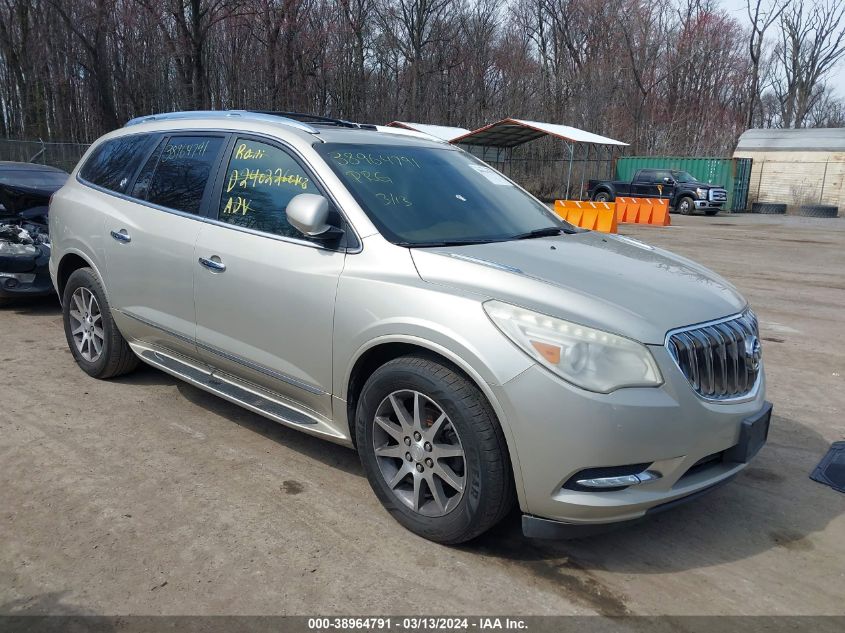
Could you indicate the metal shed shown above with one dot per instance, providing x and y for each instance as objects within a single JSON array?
[
  {"x": 590, "y": 155},
  {"x": 805, "y": 166}
]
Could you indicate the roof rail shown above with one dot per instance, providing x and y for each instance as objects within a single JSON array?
[
  {"x": 217, "y": 114},
  {"x": 316, "y": 118}
]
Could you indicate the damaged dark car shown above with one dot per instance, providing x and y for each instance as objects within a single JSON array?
[{"x": 25, "y": 190}]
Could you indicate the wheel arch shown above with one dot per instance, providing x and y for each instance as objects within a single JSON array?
[
  {"x": 605, "y": 189},
  {"x": 385, "y": 349},
  {"x": 69, "y": 263}
]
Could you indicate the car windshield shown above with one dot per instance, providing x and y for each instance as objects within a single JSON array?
[
  {"x": 682, "y": 176},
  {"x": 425, "y": 196}
]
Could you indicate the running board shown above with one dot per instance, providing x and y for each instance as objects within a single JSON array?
[{"x": 239, "y": 394}]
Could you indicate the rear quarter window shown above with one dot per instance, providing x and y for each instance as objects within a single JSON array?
[
  {"x": 177, "y": 173},
  {"x": 112, "y": 164}
]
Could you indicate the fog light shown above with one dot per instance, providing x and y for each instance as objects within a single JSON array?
[
  {"x": 24, "y": 278},
  {"x": 619, "y": 482},
  {"x": 610, "y": 478}
]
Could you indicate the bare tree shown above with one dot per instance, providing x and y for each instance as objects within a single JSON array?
[
  {"x": 812, "y": 42},
  {"x": 414, "y": 27},
  {"x": 667, "y": 76},
  {"x": 762, "y": 15},
  {"x": 90, "y": 22}
]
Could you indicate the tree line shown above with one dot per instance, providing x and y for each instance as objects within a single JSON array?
[{"x": 667, "y": 76}]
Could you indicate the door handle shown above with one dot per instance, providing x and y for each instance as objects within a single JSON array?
[
  {"x": 213, "y": 266},
  {"x": 121, "y": 236}
]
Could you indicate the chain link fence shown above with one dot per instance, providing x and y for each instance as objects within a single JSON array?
[{"x": 61, "y": 155}]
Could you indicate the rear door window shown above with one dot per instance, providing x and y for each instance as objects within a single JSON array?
[
  {"x": 177, "y": 173},
  {"x": 645, "y": 175},
  {"x": 259, "y": 182},
  {"x": 113, "y": 163}
]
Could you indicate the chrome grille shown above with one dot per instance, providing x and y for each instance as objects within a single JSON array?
[
  {"x": 718, "y": 195},
  {"x": 721, "y": 359}
]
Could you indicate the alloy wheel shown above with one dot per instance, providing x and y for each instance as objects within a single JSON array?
[
  {"x": 86, "y": 324},
  {"x": 419, "y": 453}
]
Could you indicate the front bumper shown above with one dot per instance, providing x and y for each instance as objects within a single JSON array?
[
  {"x": 40, "y": 286},
  {"x": 706, "y": 204},
  {"x": 559, "y": 430}
]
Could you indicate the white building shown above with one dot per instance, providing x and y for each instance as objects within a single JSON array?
[{"x": 795, "y": 166}]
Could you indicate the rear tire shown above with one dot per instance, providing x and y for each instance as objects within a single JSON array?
[
  {"x": 602, "y": 196},
  {"x": 686, "y": 206},
  {"x": 416, "y": 415},
  {"x": 97, "y": 345}
]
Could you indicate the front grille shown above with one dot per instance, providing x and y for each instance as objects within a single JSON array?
[
  {"x": 718, "y": 195},
  {"x": 721, "y": 360}
]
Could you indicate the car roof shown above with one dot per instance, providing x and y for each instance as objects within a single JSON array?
[
  {"x": 327, "y": 131},
  {"x": 9, "y": 165},
  {"x": 366, "y": 136}
]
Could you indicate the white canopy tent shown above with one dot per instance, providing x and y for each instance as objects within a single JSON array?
[
  {"x": 509, "y": 133},
  {"x": 443, "y": 132}
]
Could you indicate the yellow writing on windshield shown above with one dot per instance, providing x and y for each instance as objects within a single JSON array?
[
  {"x": 374, "y": 160},
  {"x": 245, "y": 152},
  {"x": 391, "y": 199},
  {"x": 371, "y": 176},
  {"x": 237, "y": 204},
  {"x": 244, "y": 178}
]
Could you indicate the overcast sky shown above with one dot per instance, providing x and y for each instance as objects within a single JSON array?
[{"x": 836, "y": 80}]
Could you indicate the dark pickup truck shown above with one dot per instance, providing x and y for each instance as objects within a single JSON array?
[{"x": 686, "y": 194}]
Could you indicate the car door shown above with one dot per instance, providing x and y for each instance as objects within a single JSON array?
[
  {"x": 664, "y": 184},
  {"x": 150, "y": 238},
  {"x": 643, "y": 184},
  {"x": 264, "y": 294}
]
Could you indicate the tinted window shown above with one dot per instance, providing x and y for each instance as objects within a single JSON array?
[
  {"x": 176, "y": 174},
  {"x": 112, "y": 164},
  {"x": 645, "y": 175},
  {"x": 682, "y": 176},
  {"x": 425, "y": 195},
  {"x": 260, "y": 181},
  {"x": 660, "y": 175}
]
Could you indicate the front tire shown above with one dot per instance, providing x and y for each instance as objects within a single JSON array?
[
  {"x": 433, "y": 450},
  {"x": 97, "y": 345},
  {"x": 686, "y": 206}
]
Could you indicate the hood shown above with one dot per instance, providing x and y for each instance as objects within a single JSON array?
[
  {"x": 16, "y": 200},
  {"x": 704, "y": 185},
  {"x": 609, "y": 282},
  {"x": 28, "y": 186}
]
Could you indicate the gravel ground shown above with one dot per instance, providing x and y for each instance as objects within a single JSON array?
[{"x": 144, "y": 495}]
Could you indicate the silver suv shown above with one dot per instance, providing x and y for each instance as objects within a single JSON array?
[{"x": 390, "y": 292}]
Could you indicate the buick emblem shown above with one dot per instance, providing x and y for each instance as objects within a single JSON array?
[{"x": 753, "y": 353}]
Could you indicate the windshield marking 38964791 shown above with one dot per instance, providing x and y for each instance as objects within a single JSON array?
[{"x": 431, "y": 196}]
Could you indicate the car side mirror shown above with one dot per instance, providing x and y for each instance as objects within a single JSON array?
[
  {"x": 668, "y": 181},
  {"x": 308, "y": 213}
]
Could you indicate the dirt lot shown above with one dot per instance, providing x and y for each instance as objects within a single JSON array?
[{"x": 147, "y": 496}]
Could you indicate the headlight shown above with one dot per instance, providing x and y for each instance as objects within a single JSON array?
[
  {"x": 591, "y": 359},
  {"x": 701, "y": 193}
]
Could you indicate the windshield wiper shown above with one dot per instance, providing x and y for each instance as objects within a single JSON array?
[
  {"x": 546, "y": 231},
  {"x": 446, "y": 243}
]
